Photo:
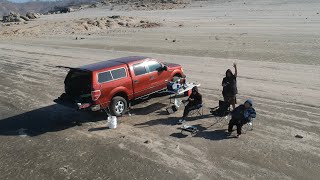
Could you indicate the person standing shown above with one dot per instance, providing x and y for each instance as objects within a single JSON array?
[{"x": 229, "y": 84}]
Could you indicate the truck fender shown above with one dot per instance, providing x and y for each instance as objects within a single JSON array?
[{"x": 121, "y": 91}]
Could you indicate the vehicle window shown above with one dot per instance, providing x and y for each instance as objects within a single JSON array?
[
  {"x": 119, "y": 73},
  {"x": 154, "y": 66},
  {"x": 104, "y": 77},
  {"x": 139, "y": 69}
]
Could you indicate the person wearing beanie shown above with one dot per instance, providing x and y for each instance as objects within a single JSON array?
[
  {"x": 241, "y": 115},
  {"x": 229, "y": 84}
]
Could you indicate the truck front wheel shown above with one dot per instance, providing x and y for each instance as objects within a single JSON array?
[{"x": 118, "y": 106}]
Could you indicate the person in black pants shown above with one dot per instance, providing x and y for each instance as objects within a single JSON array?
[
  {"x": 229, "y": 84},
  {"x": 241, "y": 115},
  {"x": 194, "y": 102}
]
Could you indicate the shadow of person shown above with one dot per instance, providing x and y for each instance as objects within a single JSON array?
[
  {"x": 216, "y": 135},
  {"x": 203, "y": 132},
  {"x": 46, "y": 119}
]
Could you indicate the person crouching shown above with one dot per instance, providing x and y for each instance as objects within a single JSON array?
[
  {"x": 241, "y": 115},
  {"x": 194, "y": 102}
]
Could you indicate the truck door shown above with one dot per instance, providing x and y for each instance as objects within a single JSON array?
[
  {"x": 157, "y": 75},
  {"x": 141, "y": 79}
]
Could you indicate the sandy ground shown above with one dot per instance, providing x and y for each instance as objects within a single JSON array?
[{"x": 274, "y": 44}]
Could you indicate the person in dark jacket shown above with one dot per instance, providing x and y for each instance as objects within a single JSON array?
[
  {"x": 194, "y": 102},
  {"x": 229, "y": 84},
  {"x": 241, "y": 115}
]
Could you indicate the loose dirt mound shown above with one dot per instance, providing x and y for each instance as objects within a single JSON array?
[
  {"x": 147, "y": 4},
  {"x": 115, "y": 22},
  {"x": 16, "y": 17},
  {"x": 79, "y": 26}
]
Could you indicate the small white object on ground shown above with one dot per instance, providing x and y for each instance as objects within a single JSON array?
[{"x": 112, "y": 122}]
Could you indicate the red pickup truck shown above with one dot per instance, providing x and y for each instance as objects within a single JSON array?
[{"x": 112, "y": 84}]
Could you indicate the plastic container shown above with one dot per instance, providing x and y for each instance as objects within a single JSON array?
[{"x": 112, "y": 122}]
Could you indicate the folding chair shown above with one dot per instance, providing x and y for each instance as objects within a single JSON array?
[
  {"x": 221, "y": 112},
  {"x": 247, "y": 127},
  {"x": 198, "y": 111}
]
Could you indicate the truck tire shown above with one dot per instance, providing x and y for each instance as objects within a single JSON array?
[
  {"x": 175, "y": 77},
  {"x": 118, "y": 106}
]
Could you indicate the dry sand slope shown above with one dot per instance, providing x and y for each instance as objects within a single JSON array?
[{"x": 276, "y": 49}]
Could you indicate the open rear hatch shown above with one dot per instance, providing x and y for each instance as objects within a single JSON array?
[{"x": 77, "y": 89}]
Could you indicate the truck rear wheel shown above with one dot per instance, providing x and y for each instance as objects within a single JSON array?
[{"x": 118, "y": 106}]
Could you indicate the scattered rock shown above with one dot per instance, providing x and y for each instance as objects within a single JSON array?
[
  {"x": 180, "y": 25},
  {"x": 19, "y": 20},
  {"x": 31, "y": 15},
  {"x": 174, "y": 40},
  {"x": 298, "y": 136},
  {"x": 25, "y": 18},
  {"x": 166, "y": 39},
  {"x": 86, "y": 27},
  {"x": 114, "y": 17},
  {"x": 317, "y": 13},
  {"x": 149, "y": 25},
  {"x": 12, "y": 17},
  {"x": 122, "y": 137},
  {"x": 148, "y": 141},
  {"x": 93, "y": 5},
  {"x": 90, "y": 22}
]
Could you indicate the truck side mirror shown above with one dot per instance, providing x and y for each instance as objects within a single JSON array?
[
  {"x": 162, "y": 68},
  {"x": 165, "y": 68}
]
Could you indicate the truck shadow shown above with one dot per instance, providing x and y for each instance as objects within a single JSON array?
[
  {"x": 150, "y": 108},
  {"x": 55, "y": 118},
  {"x": 46, "y": 119}
]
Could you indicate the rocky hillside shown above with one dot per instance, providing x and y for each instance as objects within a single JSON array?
[
  {"x": 37, "y": 6},
  {"x": 56, "y": 6}
]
